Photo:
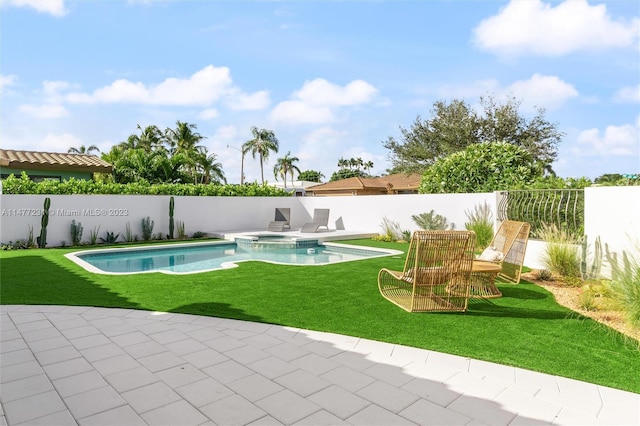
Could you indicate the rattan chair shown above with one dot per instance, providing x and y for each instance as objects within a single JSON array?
[
  {"x": 436, "y": 261},
  {"x": 511, "y": 240}
]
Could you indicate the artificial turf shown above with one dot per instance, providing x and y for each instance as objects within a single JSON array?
[{"x": 524, "y": 328}]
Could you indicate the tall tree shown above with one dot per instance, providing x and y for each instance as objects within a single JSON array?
[
  {"x": 284, "y": 166},
  {"x": 454, "y": 126},
  {"x": 263, "y": 142},
  {"x": 149, "y": 139},
  {"x": 184, "y": 139},
  {"x": 83, "y": 149},
  {"x": 311, "y": 176},
  {"x": 209, "y": 168}
]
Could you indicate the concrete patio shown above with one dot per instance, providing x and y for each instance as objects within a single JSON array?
[{"x": 67, "y": 365}]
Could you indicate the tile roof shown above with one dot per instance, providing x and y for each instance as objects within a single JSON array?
[
  {"x": 397, "y": 182},
  {"x": 52, "y": 161}
]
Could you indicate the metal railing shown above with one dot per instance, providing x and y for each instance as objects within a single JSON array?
[{"x": 562, "y": 207}]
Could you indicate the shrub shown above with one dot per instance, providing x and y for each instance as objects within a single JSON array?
[
  {"x": 76, "y": 232},
  {"x": 482, "y": 167},
  {"x": 561, "y": 254},
  {"x": 625, "y": 284},
  {"x": 147, "y": 228},
  {"x": 93, "y": 236},
  {"x": 480, "y": 221},
  {"x": 430, "y": 221},
  {"x": 110, "y": 238},
  {"x": 391, "y": 231},
  {"x": 24, "y": 185}
]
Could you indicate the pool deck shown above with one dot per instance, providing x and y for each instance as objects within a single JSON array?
[{"x": 67, "y": 365}]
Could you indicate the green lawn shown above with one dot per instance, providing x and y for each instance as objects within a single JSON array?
[{"x": 524, "y": 328}]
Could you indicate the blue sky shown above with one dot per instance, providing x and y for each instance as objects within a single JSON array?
[{"x": 332, "y": 79}]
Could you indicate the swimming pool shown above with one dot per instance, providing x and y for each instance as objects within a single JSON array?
[{"x": 201, "y": 257}]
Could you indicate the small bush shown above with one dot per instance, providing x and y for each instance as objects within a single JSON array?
[
  {"x": 480, "y": 221},
  {"x": 561, "y": 254},
  {"x": 93, "y": 236},
  {"x": 430, "y": 221},
  {"x": 391, "y": 230},
  {"x": 147, "y": 228},
  {"x": 76, "y": 232},
  {"x": 110, "y": 238},
  {"x": 625, "y": 284}
]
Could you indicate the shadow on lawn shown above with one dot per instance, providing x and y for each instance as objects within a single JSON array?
[
  {"x": 219, "y": 310},
  {"x": 513, "y": 304},
  {"x": 36, "y": 280}
]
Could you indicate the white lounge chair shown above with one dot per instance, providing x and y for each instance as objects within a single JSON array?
[
  {"x": 320, "y": 220},
  {"x": 282, "y": 220}
]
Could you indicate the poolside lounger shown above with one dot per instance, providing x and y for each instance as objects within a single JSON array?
[
  {"x": 320, "y": 220},
  {"x": 437, "y": 262},
  {"x": 282, "y": 220}
]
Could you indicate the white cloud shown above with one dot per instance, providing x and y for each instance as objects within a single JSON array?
[
  {"x": 58, "y": 143},
  {"x": 535, "y": 27},
  {"x": 629, "y": 94},
  {"x": 315, "y": 102},
  {"x": 321, "y": 92},
  {"x": 203, "y": 88},
  {"x": 44, "y": 111},
  {"x": 53, "y": 7},
  {"x": 255, "y": 102},
  {"x": 614, "y": 141},
  {"x": 300, "y": 112},
  {"x": 6, "y": 81},
  {"x": 546, "y": 91},
  {"x": 208, "y": 114}
]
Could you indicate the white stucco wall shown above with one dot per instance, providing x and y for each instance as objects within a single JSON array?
[{"x": 612, "y": 213}]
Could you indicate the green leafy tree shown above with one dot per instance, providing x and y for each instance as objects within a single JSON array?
[
  {"x": 263, "y": 142},
  {"x": 311, "y": 176},
  {"x": 346, "y": 173},
  {"x": 149, "y": 139},
  {"x": 83, "y": 149},
  {"x": 210, "y": 170},
  {"x": 454, "y": 126},
  {"x": 284, "y": 166},
  {"x": 350, "y": 168},
  {"x": 185, "y": 139},
  {"x": 482, "y": 167}
]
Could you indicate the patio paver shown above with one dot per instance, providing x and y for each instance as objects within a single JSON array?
[{"x": 86, "y": 365}]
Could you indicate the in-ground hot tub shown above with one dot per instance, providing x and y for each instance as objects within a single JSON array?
[{"x": 275, "y": 242}]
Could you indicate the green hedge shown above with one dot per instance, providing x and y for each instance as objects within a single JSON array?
[{"x": 24, "y": 185}]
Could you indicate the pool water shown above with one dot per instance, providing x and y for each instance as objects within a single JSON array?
[{"x": 199, "y": 257}]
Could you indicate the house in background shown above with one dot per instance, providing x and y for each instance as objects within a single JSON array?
[
  {"x": 51, "y": 165},
  {"x": 400, "y": 183}
]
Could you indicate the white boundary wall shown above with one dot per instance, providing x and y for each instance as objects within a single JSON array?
[{"x": 613, "y": 213}]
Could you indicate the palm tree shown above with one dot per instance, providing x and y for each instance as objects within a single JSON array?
[
  {"x": 262, "y": 143},
  {"x": 285, "y": 165},
  {"x": 343, "y": 163},
  {"x": 208, "y": 166},
  {"x": 83, "y": 150},
  {"x": 150, "y": 138},
  {"x": 184, "y": 140},
  {"x": 368, "y": 166}
]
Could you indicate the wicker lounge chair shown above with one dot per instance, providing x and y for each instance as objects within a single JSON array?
[
  {"x": 320, "y": 220},
  {"x": 510, "y": 243},
  {"x": 282, "y": 220},
  {"x": 436, "y": 261}
]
